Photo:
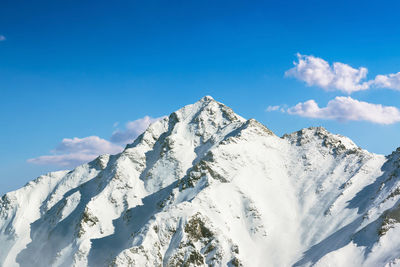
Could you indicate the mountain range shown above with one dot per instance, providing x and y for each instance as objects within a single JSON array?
[{"x": 206, "y": 187}]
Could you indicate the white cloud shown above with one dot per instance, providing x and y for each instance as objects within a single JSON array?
[
  {"x": 391, "y": 81},
  {"x": 72, "y": 152},
  {"x": 133, "y": 130},
  {"x": 2, "y": 38},
  {"x": 348, "y": 109},
  {"x": 272, "y": 108},
  {"x": 338, "y": 76},
  {"x": 315, "y": 71},
  {"x": 75, "y": 151},
  {"x": 90, "y": 144}
]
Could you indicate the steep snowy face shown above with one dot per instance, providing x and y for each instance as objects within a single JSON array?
[
  {"x": 183, "y": 140},
  {"x": 207, "y": 187}
]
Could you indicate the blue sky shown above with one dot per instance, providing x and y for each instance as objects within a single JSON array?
[{"x": 75, "y": 69}]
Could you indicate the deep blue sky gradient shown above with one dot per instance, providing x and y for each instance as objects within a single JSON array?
[{"x": 74, "y": 68}]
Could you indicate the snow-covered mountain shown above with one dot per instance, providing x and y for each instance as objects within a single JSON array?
[{"x": 208, "y": 187}]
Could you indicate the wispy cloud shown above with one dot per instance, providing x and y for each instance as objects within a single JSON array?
[
  {"x": 347, "y": 109},
  {"x": 90, "y": 144},
  {"x": 2, "y": 38},
  {"x": 315, "y": 71},
  {"x": 71, "y": 152},
  {"x": 272, "y": 108},
  {"x": 132, "y": 130}
]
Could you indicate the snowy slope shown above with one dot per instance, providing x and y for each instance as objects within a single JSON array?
[{"x": 207, "y": 187}]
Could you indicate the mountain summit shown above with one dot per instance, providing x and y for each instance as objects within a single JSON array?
[{"x": 208, "y": 187}]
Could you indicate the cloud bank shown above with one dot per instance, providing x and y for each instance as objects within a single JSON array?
[
  {"x": 342, "y": 77},
  {"x": 73, "y": 152},
  {"x": 347, "y": 109}
]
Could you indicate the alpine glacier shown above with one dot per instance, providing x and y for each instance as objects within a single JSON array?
[{"x": 206, "y": 187}]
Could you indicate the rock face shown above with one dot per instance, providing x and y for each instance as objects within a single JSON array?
[{"x": 207, "y": 187}]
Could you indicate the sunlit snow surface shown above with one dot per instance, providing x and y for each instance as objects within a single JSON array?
[{"x": 207, "y": 187}]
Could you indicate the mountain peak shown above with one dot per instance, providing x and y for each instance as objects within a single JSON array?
[
  {"x": 207, "y": 98},
  {"x": 319, "y": 135}
]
